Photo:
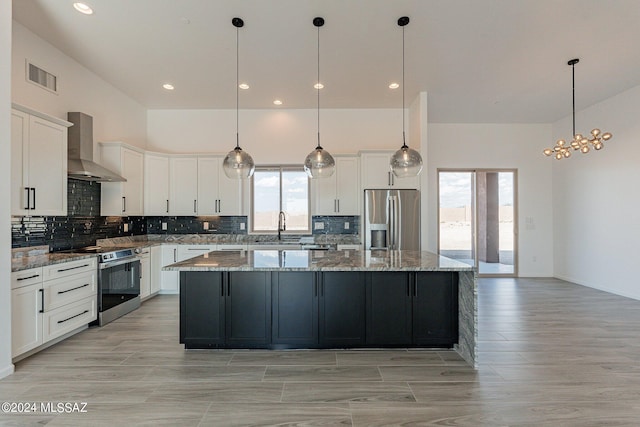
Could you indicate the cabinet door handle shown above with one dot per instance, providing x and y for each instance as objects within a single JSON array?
[
  {"x": 28, "y": 277},
  {"x": 33, "y": 190},
  {"x": 41, "y": 300},
  {"x": 338, "y": 205},
  {"x": 72, "y": 317},
  {"x": 73, "y": 289},
  {"x": 124, "y": 204},
  {"x": 389, "y": 179},
  {"x": 28, "y": 198},
  {"x": 415, "y": 285},
  {"x": 167, "y": 205},
  {"x": 175, "y": 258},
  {"x": 195, "y": 206}
]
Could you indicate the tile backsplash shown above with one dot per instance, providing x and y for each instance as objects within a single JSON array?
[{"x": 83, "y": 225}]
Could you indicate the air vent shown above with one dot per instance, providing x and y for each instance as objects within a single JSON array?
[{"x": 42, "y": 78}]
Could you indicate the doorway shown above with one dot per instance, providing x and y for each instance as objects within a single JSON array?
[{"x": 477, "y": 219}]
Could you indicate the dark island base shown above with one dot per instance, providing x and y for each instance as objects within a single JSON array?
[{"x": 314, "y": 310}]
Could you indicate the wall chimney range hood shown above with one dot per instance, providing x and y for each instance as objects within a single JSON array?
[{"x": 80, "y": 164}]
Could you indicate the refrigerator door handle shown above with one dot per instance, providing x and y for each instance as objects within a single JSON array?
[
  {"x": 390, "y": 223},
  {"x": 394, "y": 223}
]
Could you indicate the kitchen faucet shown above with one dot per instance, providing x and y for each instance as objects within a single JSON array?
[{"x": 282, "y": 224}]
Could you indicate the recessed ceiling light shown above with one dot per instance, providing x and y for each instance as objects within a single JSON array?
[
  {"x": 243, "y": 86},
  {"x": 83, "y": 8},
  {"x": 277, "y": 102},
  {"x": 318, "y": 85},
  {"x": 394, "y": 86},
  {"x": 168, "y": 86}
]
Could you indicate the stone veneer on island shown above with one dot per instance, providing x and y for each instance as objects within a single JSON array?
[{"x": 270, "y": 266}]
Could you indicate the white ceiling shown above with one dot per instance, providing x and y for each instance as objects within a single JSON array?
[{"x": 491, "y": 61}]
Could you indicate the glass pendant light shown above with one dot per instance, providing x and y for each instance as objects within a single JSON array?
[
  {"x": 406, "y": 162},
  {"x": 238, "y": 164},
  {"x": 319, "y": 163}
]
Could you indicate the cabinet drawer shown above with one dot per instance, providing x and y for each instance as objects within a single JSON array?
[
  {"x": 26, "y": 277},
  {"x": 67, "y": 290},
  {"x": 65, "y": 319},
  {"x": 191, "y": 251},
  {"x": 65, "y": 269}
]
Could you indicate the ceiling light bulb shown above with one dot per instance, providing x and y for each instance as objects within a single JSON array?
[
  {"x": 394, "y": 86},
  {"x": 318, "y": 86},
  {"x": 548, "y": 151},
  {"x": 83, "y": 8},
  {"x": 607, "y": 136},
  {"x": 243, "y": 86},
  {"x": 277, "y": 102},
  {"x": 168, "y": 86}
]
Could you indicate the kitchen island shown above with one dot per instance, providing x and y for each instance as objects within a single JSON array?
[{"x": 276, "y": 299}]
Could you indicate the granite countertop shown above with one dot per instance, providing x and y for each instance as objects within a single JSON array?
[
  {"x": 303, "y": 260},
  {"x": 43, "y": 259}
]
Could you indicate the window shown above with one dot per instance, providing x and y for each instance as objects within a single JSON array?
[{"x": 276, "y": 189}]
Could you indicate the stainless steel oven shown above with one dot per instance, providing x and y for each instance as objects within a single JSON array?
[
  {"x": 118, "y": 284},
  {"x": 118, "y": 281}
]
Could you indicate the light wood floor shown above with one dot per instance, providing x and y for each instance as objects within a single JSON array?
[{"x": 552, "y": 353}]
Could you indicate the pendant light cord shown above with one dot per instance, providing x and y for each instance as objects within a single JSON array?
[
  {"x": 573, "y": 88},
  {"x": 237, "y": 83},
  {"x": 404, "y": 143},
  {"x": 318, "y": 90}
]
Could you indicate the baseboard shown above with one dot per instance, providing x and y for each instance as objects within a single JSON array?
[
  {"x": 595, "y": 286},
  {"x": 6, "y": 371}
]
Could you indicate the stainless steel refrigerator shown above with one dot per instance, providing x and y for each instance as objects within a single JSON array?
[{"x": 392, "y": 219}]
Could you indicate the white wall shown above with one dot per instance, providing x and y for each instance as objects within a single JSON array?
[
  {"x": 596, "y": 200},
  {"x": 273, "y": 136},
  {"x": 500, "y": 146},
  {"x": 115, "y": 115},
  {"x": 6, "y": 367}
]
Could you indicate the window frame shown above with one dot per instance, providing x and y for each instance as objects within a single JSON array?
[{"x": 280, "y": 169}]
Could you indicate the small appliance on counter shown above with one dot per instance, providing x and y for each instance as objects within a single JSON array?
[{"x": 392, "y": 219}]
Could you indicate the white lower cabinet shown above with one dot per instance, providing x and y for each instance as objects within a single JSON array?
[
  {"x": 155, "y": 267},
  {"x": 26, "y": 318},
  {"x": 49, "y": 302},
  {"x": 169, "y": 280},
  {"x": 145, "y": 273}
]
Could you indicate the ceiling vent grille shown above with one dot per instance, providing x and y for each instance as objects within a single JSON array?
[{"x": 42, "y": 78}]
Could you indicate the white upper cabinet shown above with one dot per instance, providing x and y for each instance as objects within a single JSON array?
[
  {"x": 339, "y": 194},
  {"x": 376, "y": 173},
  {"x": 123, "y": 198},
  {"x": 217, "y": 194},
  {"x": 156, "y": 185},
  {"x": 38, "y": 163},
  {"x": 183, "y": 188}
]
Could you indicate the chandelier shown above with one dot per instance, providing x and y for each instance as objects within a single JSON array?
[{"x": 580, "y": 142}]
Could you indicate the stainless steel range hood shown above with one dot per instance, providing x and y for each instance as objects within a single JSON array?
[{"x": 80, "y": 164}]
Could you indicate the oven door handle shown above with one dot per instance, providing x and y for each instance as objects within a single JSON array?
[{"x": 102, "y": 266}]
